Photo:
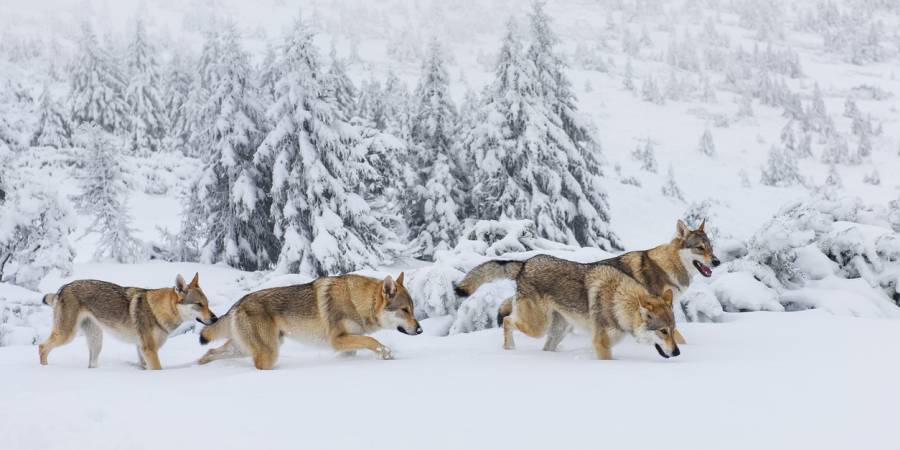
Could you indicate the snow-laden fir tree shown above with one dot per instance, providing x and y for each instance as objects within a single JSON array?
[
  {"x": 873, "y": 177},
  {"x": 432, "y": 208},
  {"x": 707, "y": 146},
  {"x": 103, "y": 195},
  {"x": 836, "y": 151},
  {"x": 670, "y": 186},
  {"x": 834, "y": 178},
  {"x": 176, "y": 92},
  {"x": 323, "y": 225},
  {"x": 850, "y": 108},
  {"x": 146, "y": 110},
  {"x": 232, "y": 189},
  {"x": 340, "y": 85},
  {"x": 525, "y": 165},
  {"x": 781, "y": 169},
  {"x": 628, "y": 78},
  {"x": 53, "y": 128},
  {"x": 646, "y": 155},
  {"x": 396, "y": 100},
  {"x": 198, "y": 118},
  {"x": 650, "y": 92},
  {"x": 97, "y": 86}
]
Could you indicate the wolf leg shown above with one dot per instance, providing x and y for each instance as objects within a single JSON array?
[
  {"x": 225, "y": 351},
  {"x": 558, "y": 330},
  {"x": 65, "y": 319},
  {"x": 602, "y": 343},
  {"x": 149, "y": 350},
  {"x": 140, "y": 356},
  {"x": 351, "y": 342},
  {"x": 94, "y": 335}
]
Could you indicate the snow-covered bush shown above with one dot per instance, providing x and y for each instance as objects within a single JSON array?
[
  {"x": 813, "y": 254},
  {"x": 34, "y": 235}
]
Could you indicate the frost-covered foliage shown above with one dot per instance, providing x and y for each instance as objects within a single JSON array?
[
  {"x": 781, "y": 169},
  {"x": 646, "y": 155},
  {"x": 176, "y": 92},
  {"x": 232, "y": 190},
  {"x": 146, "y": 115},
  {"x": 670, "y": 186},
  {"x": 433, "y": 211},
  {"x": 323, "y": 224},
  {"x": 104, "y": 195},
  {"x": 35, "y": 224},
  {"x": 819, "y": 242},
  {"x": 707, "y": 146},
  {"x": 98, "y": 87},
  {"x": 53, "y": 128},
  {"x": 532, "y": 156}
]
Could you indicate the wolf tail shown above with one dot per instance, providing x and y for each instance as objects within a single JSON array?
[
  {"x": 219, "y": 330},
  {"x": 505, "y": 310},
  {"x": 50, "y": 299},
  {"x": 487, "y": 272}
]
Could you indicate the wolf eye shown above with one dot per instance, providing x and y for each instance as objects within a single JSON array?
[{"x": 664, "y": 331}]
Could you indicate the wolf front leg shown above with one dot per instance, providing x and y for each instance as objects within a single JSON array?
[
  {"x": 351, "y": 342},
  {"x": 602, "y": 343},
  {"x": 149, "y": 349}
]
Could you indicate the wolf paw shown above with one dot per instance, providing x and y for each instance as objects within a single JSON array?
[{"x": 385, "y": 352}]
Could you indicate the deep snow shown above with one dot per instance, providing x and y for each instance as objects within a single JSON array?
[{"x": 757, "y": 380}]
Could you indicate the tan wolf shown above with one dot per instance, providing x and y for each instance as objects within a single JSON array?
[
  {"x": 338, "y": 310},
  {"x": 145, "y": 317},
  {"x": 665, "y": 267}
]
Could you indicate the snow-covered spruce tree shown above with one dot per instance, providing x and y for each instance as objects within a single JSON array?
[
  {"x": 836, "y": 151},
  {"x": 103, "y": 195},
  {"x": 232, "y": 189},
  {"x": 707, "y": 146},
  {"x": 628, "y": 77},
  {"x": 198, "y": 121},
  {"x": 176, "y": 92},
  {"x": 53, "y": 128},
  {"x": 97, "y": 86},
  {"x": 646, "y": 155},
  {"x": 146, "y": 110},
  {"x": 525, "y": 164},
  {"x": 341, "y": 87},
  {"x": 431, "y": 200},
  {"x": 650, "y": 92},
  {"x": 781, "y": 169},
  {"x": 323, "y": 225},
  {"x": 872, "y": 177},
  {"x": 670, "y": 186}
]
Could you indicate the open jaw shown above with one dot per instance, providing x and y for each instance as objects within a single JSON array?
[{"x": 703, "y": 268}]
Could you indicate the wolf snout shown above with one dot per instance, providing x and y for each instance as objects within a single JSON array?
[
  {"x": 715, "y": 262},
  {"x": 418, "y": 329},
  {"x": 212, "y": 319},
  {"x": 676, "y": 352}
]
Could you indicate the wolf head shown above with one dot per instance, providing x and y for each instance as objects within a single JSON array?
[
  {"x": 397, "y": 310},
  {"x": 192, "y": 302},
  {"x": 695, "y": 249},
  {"x": 659, "y": 323}
]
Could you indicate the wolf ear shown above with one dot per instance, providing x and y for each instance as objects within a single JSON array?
[
  {"x": 681, "y": 229},
  {"x": 389, "y": 288},
  {"x": 400, "y": 279},
  {"x": 196, "y": 281},
  {"x": 702, "y": 224},
  {"x": 180, "y": 285},
  {"x": 667, "y": 296}
]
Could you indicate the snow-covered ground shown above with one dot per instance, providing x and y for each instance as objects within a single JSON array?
[
  {"x": 756, "y": 380},
  {"x": 793, "y": 343}
]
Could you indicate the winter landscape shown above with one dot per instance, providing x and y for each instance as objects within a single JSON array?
[{"x": 268, "y": 143}]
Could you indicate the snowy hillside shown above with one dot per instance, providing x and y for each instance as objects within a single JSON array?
[{"x": 266, "y": 143}]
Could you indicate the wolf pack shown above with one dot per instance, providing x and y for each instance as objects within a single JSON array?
[{"x": 630, "y": 294}]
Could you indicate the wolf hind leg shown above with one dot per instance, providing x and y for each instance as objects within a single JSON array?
[
  {"x": 529, "y": 316},
  {"x": 259, "y": 336},
  {"x": 226, "y": 351},
  {"x": 559, "y": 328},
  {"x": 65, "y": 320},
  {"x": 94, "y": 335}
]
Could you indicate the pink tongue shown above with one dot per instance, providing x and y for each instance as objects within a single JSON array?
[{"x": 706, "y": 270}]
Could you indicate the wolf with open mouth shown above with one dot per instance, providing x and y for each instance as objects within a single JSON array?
[{"x": 670, "y": 266}]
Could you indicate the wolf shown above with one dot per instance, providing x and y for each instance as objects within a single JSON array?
[
  {"x": 144, "y": 317},
  {"x": 338, "y": 310},
  {"x": 666, "y": 267}
]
